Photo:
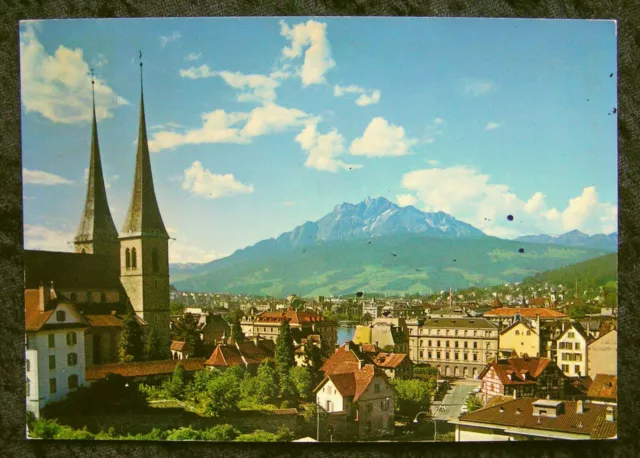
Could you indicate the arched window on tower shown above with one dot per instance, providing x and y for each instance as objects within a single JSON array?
[
  {"x": 134, "y": 259},
  {"x": 154, "y": 260},
  {"x": 84, "y": 251},
  {"x": 128, "y": 258}
]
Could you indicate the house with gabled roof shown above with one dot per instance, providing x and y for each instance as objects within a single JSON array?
[
  {"x": 521, "y": 337},
  {"x": 55, "y": 359},
  {"x": 350, "y": 356},
  {"x": 604, "y": 389},
  {"x": 571, "y": 350},
  {"x": 248, "y": 354},
  {"x": 363, "y": 398},
  {"x": 520, "y": 377},
  {"x": 537, "y": 419},
  {"x": 602, "y": 354}
]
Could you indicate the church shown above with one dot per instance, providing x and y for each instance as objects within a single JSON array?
[{"x": 74, "y": 302}]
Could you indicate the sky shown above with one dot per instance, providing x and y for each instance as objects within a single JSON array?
[{"x": 257, "y": 125}]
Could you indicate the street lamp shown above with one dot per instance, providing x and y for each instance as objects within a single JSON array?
[{"x": 433, "y": 419}]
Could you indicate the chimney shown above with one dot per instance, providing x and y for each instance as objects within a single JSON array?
[
  {"x": 360, "y": 363},
  {"x": 579, "y": 408},
  {"x": 609, "y": 416},
  {"x": 45, "y": 295}
]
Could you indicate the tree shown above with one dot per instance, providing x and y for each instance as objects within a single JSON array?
[
  {"x": 153, "y": 348},
  {"x": 473, "y": 403},
  {"x": 412, "y": 396},
  {"x": 285, "y": 358},
  {"x": 176, "y": 308},
  {"x": 302, "y": 382},
  {"x": 175, "y": 386},
  {"x": 130, "y": 347},
  {"x": 222, "y": 393},
  {"x": 313, "y": 357},
  {"x": 190, "y": 334},
  {"x": 367, "y": 318},
  {"x": 236, "y": 331}
]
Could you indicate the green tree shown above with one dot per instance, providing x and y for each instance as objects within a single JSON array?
[
  {"x": 175, "y": 386},
  {"x": 176, "y": 308},
  {"x": 412, "y": 396},
  {"x": 266, "y": 384},
  {"x": 130, "y": 347},
  {"x": 259, "y": 435},
  {"x": 302, "y": 382},
  {"x": 236, "y": 331},
  {"x": 313, "y": 358},
  {"x": 473, "y": 403},
  {"x": 285, "y": 359},
  {"x": 222, "y": 393},
  {"x": 190, "y": 334},
  {"x": 153, "y": 348}
]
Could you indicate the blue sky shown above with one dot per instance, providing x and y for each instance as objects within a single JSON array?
[{"x": 258, "y": 125}]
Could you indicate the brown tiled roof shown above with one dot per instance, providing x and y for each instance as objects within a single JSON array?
[
  {"x": 604, "y": 387},
  {"x": 470, "y": 323},
  {"x": 516, "y": 367},
  {"x": 104, "y": 321},
  {"x": 344, "y": 383},
  {"x": 390, "y": 360},
  {"x": 529, "y": 312},
  {"x": 293, "y": 316},
  {"x": 363, "y": 379},
  {"x": 513, "y": 325},
  {"x": 353, "y": 383},
  {"x": 568, "y": 421},
  {"x": 177, "y": 345},
  {"x": 604, "y": 429},
  {"x": 143, "y": 368},
  {"x": 370, "y": 348},
  {"x": 239, "y": 353},
  {"x": 344, "y": 360},
  {"x": 69, "y": 271},
  {"x": 35, "y": 320}
]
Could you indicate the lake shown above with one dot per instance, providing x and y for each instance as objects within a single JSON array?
[{"x": 345, "y": 333}]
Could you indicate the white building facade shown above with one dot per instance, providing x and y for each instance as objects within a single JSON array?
[{"x": 571, "y": 352}]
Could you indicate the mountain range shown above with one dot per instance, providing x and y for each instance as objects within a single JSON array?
[
  {"x": 377, "y": 246},
  {"x": 576, "y": 238}
]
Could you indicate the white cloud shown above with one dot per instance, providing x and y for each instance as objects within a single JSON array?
[
  {"x": 99, "y": 61},
  {"x": 42, "y": 178},
  {"x": 166, "y": 125},
  {"x": 470, "y": 196},
  {"x": 43, "y": 238},
  {"x": 165, "y": 40},
  {"x": 202, "y": 182},
  {"x": 367, "y": 96},
  {"x": 193, "y": 56},
  {"x": 252, "y": 87},
  {"x": 491, "y": 126},
  {"x": 438, "y": 121},
  {"x": 185, "y": 251},
  {"x": 477, "y": 87},
  {"x": 381, "y": 138},
  {"x": 433, "y": 162},
  {"x": 272, "y": 118},
  {"x": 288, "y": 204},
  {"x": 323, "y": 149},
  {"x": 58, "y": 86},
  {"x": 404, "y": 200},
  {"x": 317, "y": 57}
]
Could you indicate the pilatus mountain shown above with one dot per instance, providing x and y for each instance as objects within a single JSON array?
[{"x": 376, "y": 246}]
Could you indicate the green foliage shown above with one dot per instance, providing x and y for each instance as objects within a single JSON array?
[
  {"x": 153, "y": 349},
  {"x": 258, "y": 436},
  {"x": 176, "y": 308},
  {"x": 152, "y": 392},
  {"x": 446, "y": 437},
  {"x": 285, "y": 404},
  {"x": 473, "y": 403},
  {"x": 412, "y": 396},
  {"x": 426, "y": 370},
  {"x": 222, "y": 393},
  {"x": 313, "y": 357},
  {"x": 263, "y": 389},
  {"x": 236, "y": 331},
  {"x": 302, "y": 382},
  {"x": 130, "y": 347},
  {"x": 188, "y": 332},
  {"x": 175, "y": 386},
  {"x": 285, "y": 359},
  {"x": 593, "y": 273},
  {"x": 311, "y": 414}
]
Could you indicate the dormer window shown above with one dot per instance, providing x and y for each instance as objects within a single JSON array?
[{"x": 61, "y": 315}]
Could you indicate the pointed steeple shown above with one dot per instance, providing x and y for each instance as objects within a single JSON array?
[
  {"x": 96, "y": 230},
  {"x": 143, "y": 217}
]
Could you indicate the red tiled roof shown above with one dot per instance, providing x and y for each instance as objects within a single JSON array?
[
  {"x": 604, "y": 387},
  {"x": 390, "y": 360},
  {"x": 353, "y": 383},
  {"x": 344, "y": 383},
  {"x": 529, "y": 312},
  {"x": 604, "y": 429},
  {"x": 103, "y": 321},
  {"x": 35, "y": 320},
  {"x": 363, "y": 379},
  {"x": 516, "y": 367},
  {"x": 239, "y": 354},
  {"x": 177, "y": 345},
  {"x": 342, "y": 361},
  {"x": 519, "y": 413},
  {"x": 293, "y": 316},
  {"x": 143, "y": 368}
]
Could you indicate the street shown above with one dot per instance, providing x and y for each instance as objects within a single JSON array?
[{"x": 455, "y": 398}]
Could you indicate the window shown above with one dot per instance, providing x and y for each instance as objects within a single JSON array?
[
  {"x": 52, "y": 341},
  {"x": 52, "y": 362},
  {"x": 528, "y": 333},
  {"x": 72, "y": 382},
  {"x": 421, "y": 354},
  {"x": 447, "y": 332},
  {"x": 565, "y": 368},
  {"x": 465, "y": 356},
  {"x": 103, "y": 297},
  {"x": 154, "y": 260},
  {"x": 571, "y": 335},
  {"x": 28, "y": 365},
  {"x": 52, "y": 385},
  {"x": 421, "y": 343},
  {"x": 429, "y": 343},
  {"x": 72, "y": 359},
  {"x": 128, "y": 258},
  {"x": 61, "y": 315},
  {"x": 455, "y": 356},
  {"x": 455, "y": 344},
  {"x": 517, "y": 332},
  {"x": 475, "y": 345},
  {"x": 370, "y": 408},
  {"x": 456, "y": 332},
  {"x": 475, "y": 357},
  {"x": 134, "y": 259},
  {"x": 437, "y": 355},
  {"x": 475, "y": 333},
  {"x": 72, "y": 339},
  {"x": 446, "y": 355},
  {"x": 430, "y": 355},
  {"x": 577, "y": 345},
  {"x": 376, "y": 388},
  {"x": 73, "y": 297},
  {"x": 466, "y": 345},
  {"x": 446, "y": 344},
  {"x": 438, "y": 343},
  {"x": 28, "y": 388}
]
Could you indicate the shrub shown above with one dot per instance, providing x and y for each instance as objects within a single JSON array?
[
  {"x": 259, "y": 435},
  {"x": 285, "y": 404}
]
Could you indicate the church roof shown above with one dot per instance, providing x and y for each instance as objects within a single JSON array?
[
  {"x": 96, "y": 222},
  {"x": 73, "y": 271},
  {"x": 143, "y": 217}
]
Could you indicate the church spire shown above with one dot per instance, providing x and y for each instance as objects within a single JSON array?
[
  {"x": 143, "y": 217},
  {"x": 96, "y": 231}
]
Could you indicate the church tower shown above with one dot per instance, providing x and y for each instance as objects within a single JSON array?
[
  {"x": 144, "y": 244},
  {"x": 97, "y": 234}
]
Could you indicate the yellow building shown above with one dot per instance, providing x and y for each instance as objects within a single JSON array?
[
  {"x": 362, "y": 335},
  {"x": 521, "y": 338}
]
